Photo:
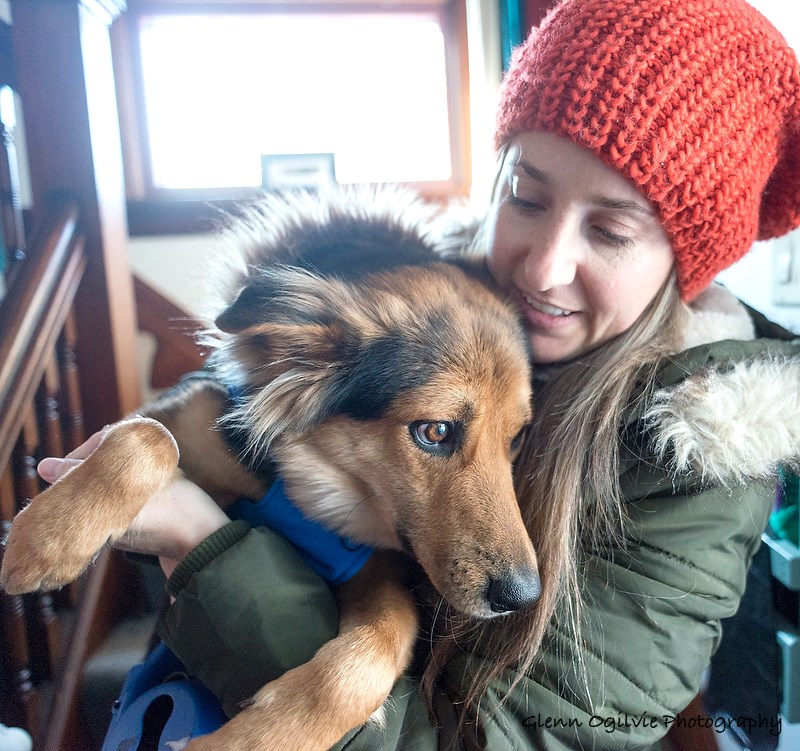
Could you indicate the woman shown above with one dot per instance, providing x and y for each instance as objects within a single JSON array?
[{"x": 644, "y": 145}]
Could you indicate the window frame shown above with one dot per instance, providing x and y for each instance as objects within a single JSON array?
[{"x": 166, "y": 211}]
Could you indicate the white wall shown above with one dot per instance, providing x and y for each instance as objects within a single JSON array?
[
  {"x": 751, "y": 280},
  {"x": 785, "y": 15},
  {"x": 177, "y": 266}
]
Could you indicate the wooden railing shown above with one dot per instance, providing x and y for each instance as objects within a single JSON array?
[
  {"x": 34, "y": 315},
  {"x": 40, "y": 413}
]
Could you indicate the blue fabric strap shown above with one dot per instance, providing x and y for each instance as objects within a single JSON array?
[{"x": 336, "y": 559}]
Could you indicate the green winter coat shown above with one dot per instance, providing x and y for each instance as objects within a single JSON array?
[{"x": 247, "y": 607}]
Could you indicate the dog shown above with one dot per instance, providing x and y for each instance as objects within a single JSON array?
[{"x": 390, "y": 385}]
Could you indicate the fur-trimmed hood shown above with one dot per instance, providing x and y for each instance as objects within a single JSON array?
[{"x": 729, "y": 408}]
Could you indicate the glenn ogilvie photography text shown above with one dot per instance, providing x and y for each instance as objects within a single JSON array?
[{"x": 621, "y": 723}]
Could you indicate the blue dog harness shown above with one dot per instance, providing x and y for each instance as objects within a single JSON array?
[
  {"x": 336, "y": 559},
  {"x": 160, "y": 707}
]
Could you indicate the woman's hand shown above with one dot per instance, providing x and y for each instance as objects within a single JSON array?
[{"x": 172, "y": 522}]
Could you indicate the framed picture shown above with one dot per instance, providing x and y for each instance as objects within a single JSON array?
[{"x": 287, "y": 171}]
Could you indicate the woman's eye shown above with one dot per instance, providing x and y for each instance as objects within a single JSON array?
[
  {"x": 437, "y": 437},
  {"x": 614, "y": 239},
  {"x": 518, "y": 197},
  {"x": 523, "y": 204}
]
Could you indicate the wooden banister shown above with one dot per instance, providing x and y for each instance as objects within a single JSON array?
[
  {"x": 32, "y": 316},
  {"x": 32, "y": 320}
]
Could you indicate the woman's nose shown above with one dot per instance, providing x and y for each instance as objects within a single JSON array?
[{"x": 552, "y": 259}]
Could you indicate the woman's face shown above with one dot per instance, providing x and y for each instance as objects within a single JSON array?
[{"x": 581, "y": 251}]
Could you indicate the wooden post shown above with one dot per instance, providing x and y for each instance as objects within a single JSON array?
[{"x": 65, "y": 80}]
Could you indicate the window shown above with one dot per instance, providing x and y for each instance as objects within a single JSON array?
[{"x": 206, "y": 90}]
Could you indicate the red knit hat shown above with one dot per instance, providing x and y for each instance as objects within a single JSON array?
[{"x": 696, "y": 101}]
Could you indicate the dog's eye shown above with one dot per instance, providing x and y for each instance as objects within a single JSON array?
[
  {"x": 434, "y": 437},
  {"x": 517, "y": 441},
  {"x": 432, "y": 432}
]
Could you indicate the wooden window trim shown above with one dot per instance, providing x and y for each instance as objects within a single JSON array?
[{"x": 152, "y": 211}]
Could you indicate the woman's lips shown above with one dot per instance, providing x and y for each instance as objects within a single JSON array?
[{"x": 543, "y": 315}]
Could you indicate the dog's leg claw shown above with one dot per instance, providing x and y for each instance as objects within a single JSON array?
[{"x": 60, "y": 533}]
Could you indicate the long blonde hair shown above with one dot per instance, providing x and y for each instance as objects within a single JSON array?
[{"x": 567, "y": 480}]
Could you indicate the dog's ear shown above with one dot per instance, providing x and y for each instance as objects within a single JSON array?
[
  {"x": 242, "y": 313},
  {"x": 285, "y": 295},
  {"x": 292, "y": 315},
  {"x": 295, "y": 339},
  {"x": 313, "y": 347},
  {"x": 251, "y": 306}
]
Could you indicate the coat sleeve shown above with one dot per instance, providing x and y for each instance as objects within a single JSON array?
[{"x": 247, "y": 608}]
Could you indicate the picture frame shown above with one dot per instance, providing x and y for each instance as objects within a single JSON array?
[{"x": 297, "y": 171}]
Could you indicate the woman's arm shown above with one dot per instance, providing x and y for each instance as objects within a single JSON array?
[{"x": 246, "y": 609}]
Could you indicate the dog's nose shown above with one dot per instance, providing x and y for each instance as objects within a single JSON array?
[{"x": 514, "y": 590}]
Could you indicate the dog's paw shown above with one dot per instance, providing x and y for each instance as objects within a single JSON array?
[
  {"x": 37, "y": 557},
  {"x": 62, "y": 530}
]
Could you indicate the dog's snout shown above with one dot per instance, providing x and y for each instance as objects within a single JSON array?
[{"x": 514, "y": 590}]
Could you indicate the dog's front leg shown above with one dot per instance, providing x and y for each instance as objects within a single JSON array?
[
  {"x": 312, "y": 706},
  {"x": 62, "y": 529}
]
